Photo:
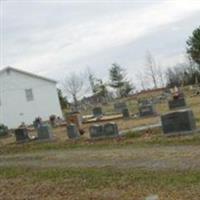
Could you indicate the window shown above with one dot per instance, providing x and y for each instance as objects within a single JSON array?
[{"x": 29, "y": 94}]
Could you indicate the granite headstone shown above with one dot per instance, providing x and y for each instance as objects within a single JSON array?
[{"x": 178, "y": 121}]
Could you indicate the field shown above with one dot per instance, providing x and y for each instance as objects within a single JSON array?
[{"x": 131, "y": 167}]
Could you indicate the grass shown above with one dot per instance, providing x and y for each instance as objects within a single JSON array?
[
  {"x": 134, "y": 139},
  {"x": 33, "y": 182},
  {"x": 103, "y": 183}
]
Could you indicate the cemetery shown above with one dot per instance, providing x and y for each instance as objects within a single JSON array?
[
  {"x": 113, "y": 144},
  {"x": 99, "y": 100}
]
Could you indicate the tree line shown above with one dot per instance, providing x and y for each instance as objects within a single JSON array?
[{"x": 153, "y": 76}]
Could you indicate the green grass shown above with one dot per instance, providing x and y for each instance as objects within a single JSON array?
[
  {"x": 135, "y": 139},
  {"x": 97, "y": 177}
]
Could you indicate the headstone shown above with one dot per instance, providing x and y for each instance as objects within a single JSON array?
[
  {"x": 96, "y": 131},
  {"x": 125, "y": 113},
  {"x": 178, "y": 122},
  {"x": 21, "y": 135},
  {"x": 3, "y": 130},
  {"x": 176, "y": 103},
  {"x": 97, "y": 111},
  {"x": 111, "y": 129},
  {"x": 72, "y": 131},
  {"x": 147, "y": 110},
  {"x": 120, "y": 106},
  {"x": 44, "y": 132}
]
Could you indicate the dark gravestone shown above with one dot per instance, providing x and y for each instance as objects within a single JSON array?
[
  {"x": 125, "y": 113},
  {"x": 72, "y": 131},
  {"x": 176, "y": 103},
  {"x": 120, "y": 106},
  {"x": 21, "y": 135},
  {"x": 178, "y": 121},
  {"x": 97, "y": 111},
  {"x": 111, "y": 129},
  {"x": 3, "y": 130},
  {"x": 44, "y": 132},
  {"x": 96, "y": 131},
  {"x": 147, "y": 110}
]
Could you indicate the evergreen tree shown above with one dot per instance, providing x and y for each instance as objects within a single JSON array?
[{"x": 193, "y": 44}]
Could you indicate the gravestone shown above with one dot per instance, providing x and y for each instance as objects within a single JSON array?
[
  {"x": 97, "y": 111},
  {"x": 125, "y": 113},
  {"x": 72, "y": 131},
  {"x": 96, "y": 131},
  {"x": 44, "y": 132},
  {"x": 119, "y": 107},
  {"x": 147, "y": 110},
  {"x": 111, "y": 129},
  {"x": 21, "y": 135},
  {"x": 178, "y": 122},
  {"x": 176, "y": 103},
  {"x": 3, "y": 130}
]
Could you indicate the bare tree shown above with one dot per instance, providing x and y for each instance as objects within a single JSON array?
[
  {"x": 161, "y": 75},
  {"x": 141, "y": 79},
  {"x": 151, "y": 68},
  {"x": 73, "y": 85}
]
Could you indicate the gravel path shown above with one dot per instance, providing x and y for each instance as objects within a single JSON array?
[{"x": 158, "y": 157}]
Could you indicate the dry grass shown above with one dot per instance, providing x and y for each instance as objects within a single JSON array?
[{"x": 132, "y": 167}]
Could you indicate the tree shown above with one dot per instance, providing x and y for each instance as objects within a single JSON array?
[
  {"x": 161, "y": 76},
  {"x": 74, "y": 85},
  {"x": 98, "y": 87},
  {"x": 63, "y": 100},
  {"x": 141, "y": 79},
  {"x": 193, "y": 44},
  {"x": 119, "y": 81},
  {"x": 127, "y": 89},
  {"x": 151, "y": 69},
  {"x": 91, "y": 79}
]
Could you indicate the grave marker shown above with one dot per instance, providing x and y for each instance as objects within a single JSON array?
[
  {"x": 178, "y": 122},
  {"x": 111, "y": 129},
  {"x": 44, "y": 132},
  {"x": 147, "y": 110},
  {"x": 21, "y": 135},
  {"x": 72, "y": 131},
  {"x": 97, "y": 111},
  {"x": 3, "y": 130},
  {"x": 96, "y": 131},
  {"x": 125, "y": 113},
  {"x": 176, "y": 103}
]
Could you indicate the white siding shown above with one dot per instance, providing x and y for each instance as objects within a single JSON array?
[{"x": 15, "y": 108}]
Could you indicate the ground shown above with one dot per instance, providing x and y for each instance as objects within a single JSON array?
[{"x": 130, "y": 167}]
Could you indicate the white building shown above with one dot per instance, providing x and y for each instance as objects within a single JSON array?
[{"x": 25, "y": 96}]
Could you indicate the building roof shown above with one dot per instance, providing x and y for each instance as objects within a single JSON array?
[{"x": 27, "y": 73}]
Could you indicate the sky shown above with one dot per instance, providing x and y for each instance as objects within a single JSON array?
[{"x": 55, "y": 38}]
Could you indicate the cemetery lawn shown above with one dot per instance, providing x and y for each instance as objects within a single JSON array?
[{"x": 130, "y": 168}]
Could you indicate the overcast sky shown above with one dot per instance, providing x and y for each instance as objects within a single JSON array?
[{"x": 53, "y": 38}]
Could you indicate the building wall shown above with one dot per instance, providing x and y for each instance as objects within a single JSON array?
[{"x": 14, "y": 107}]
